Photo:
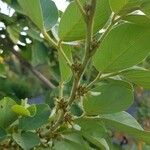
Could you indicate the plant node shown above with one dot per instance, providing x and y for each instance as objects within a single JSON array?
[
  {"x": 94, "y": 44},
  {"x": 82, "y": 90},
  {"x": 76, "y": 67},
  {"x": 68, "y": 119},
  {"x": 61, "y": 105},
  {"x": 54, "y": 135},
  {"x": 88, "y": 9}
]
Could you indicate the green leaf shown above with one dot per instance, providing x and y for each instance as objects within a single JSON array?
[
  {"x": 146, "y": 147},
  {"x": 146, "y": 8},
  {"x": 7, "y": 116},
  {"x": 86, "y": 126},
  {"x": 39, "y": 119},
  {"x": 71, "y": 142},
  {"x": 114, "y": 55},
  {"x": 123, "y": 7},
  {"x": 66, "y": 144},
  {"x": 109, "y": 97},
  {"x": 15, "y": 5},
  {"x": 124, "y": 122},
  {"x": 76, "y": 110},
  {"x": 116, "y": 5},
  {"x": 32, "y": 109},
  {"x": 2, "y": 68},
  {"x": 72, "y": 26},
  {"x": 65, "y": 70},
  {"x": 20, "y": 110},
  {"x": 140, "y": 77},
  {"x": 44, "y": 14},
  {"x": 33, "y": 33},
  {"x": 39, "y": 53},
  {"x": 26, "y": 140},
  {"x": 2, "y": 133},
  {"x": 14, "y": 33},
  {"x": 123, "y": 118},
  {"x": 141, "y": 20},
  {"x": 99, "y": 142}
]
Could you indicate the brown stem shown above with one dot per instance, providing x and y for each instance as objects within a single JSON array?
[
  {"x": 89, "y": 23},
  {"x": 8, "y": 44},
  {"x": 77, "y": 76},
  {"x": 140, "y": 145}
]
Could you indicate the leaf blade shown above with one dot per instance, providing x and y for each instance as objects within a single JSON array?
[
  {"x": 124, "y": 122},
  {"x": 39, "y": 119},
  {"x": 44, "y": 14},
  {"x": 139, "y": 77},
  {"x": 65, "y": 70},
  {"x": 26, "y": 140},
  {"x": 115, "y": 55},
  {"x": 6, "y": 114},
  {"x": 120, "y": 97},
  {"x": 76, "y": 29}
]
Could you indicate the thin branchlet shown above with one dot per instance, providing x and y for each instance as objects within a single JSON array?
[
  {"x": 89, "y": 15},
  {"x": 91, "y": 45}
]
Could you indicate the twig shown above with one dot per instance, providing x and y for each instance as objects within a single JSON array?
[
  {"x": 65, "y": 56},
  {"x": 61, "y": 88},
  {"x": 89, "y": 23},
  {"x": 101, "y": 77},
  {"x": 57, "y": 46},
  {"x": 81, "y": 8},
  {"x": 50, "y": 41},
  {"x": 74, "y": 90},
  {"x": 109, "y": 27},
  {"x": 77, "y": 76},
  {"x": 87, "y": 57},
  {"x": 57, "y": 123},
  {"x": 140, "y": 145},
  {"x": 41, "y": 77},
  {"x": 94, "y": 81},
  {"x": 100, "y": 40}
]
